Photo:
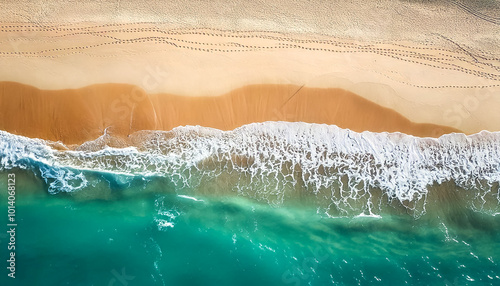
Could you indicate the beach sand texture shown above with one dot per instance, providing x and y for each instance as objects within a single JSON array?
[
  {"x": 68, "y": 74},
  {"x": 78, "y": 115}
]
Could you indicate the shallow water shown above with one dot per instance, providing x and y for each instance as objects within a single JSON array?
[
  {"x": 152, "y": 239},
  {"x": 197, "y": 215}
]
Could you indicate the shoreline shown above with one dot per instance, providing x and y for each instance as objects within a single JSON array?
[
  {"x": 426, "y": 82},
  {"x": 75, "y": 116}
]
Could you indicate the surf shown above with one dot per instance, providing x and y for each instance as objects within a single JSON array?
[{"x": 339, "y": 171}]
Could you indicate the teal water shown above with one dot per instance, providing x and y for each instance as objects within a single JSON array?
[
  {"x": 265, "y": 204},
  {"x": 167, "y": 239}
]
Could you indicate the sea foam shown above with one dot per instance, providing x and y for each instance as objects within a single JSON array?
[{"x": 274, "y": 161}]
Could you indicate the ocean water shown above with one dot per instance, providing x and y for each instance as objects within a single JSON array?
[{"x": 266, "y": 204}]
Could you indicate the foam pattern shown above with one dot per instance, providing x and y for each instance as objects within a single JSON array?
[{"x": 340, "y": 169}]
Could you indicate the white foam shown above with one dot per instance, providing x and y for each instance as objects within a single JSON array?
[
  {"x": 190, "y": 198},
  {"x": 363, "y": 215},
  {"x": 272, "y": 159}
]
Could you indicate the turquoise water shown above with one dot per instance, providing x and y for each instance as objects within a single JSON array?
[
  {"x": 270, "y": 204},
  {"x": 167, "y": 239}
]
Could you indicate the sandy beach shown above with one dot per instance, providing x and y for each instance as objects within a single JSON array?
[
  {"x": 236, "y": 142},
  {"x": 374, "y": 74},
  {"x": 74, "y": 116}
]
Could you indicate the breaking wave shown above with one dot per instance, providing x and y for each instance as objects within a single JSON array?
[{"x": 341, "y": 172}]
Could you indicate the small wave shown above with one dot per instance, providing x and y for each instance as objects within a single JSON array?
[{"x": 340, "y": 170}]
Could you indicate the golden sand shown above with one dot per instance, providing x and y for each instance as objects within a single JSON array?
[
  {"x": 74, "y": 116},
  {"x": 439, "y": 79}
]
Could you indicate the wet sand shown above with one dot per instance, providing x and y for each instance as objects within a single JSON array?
[
  {"x": 74, "y": 116},
  {"x": 438, "y": 81},
  {"x": 426, "y": 62}
]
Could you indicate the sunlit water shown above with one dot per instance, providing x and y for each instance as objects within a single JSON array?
[
  {"x": 167, "y": 239},
  {"x": 199, "y": 209}
]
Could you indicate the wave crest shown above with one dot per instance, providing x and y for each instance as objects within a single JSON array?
[{"x": 340, "y": 170}]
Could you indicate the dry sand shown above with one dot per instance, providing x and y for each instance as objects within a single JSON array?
[
  {"x": 426, "y": 83},
  {"x": 432, "y": 62}
]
